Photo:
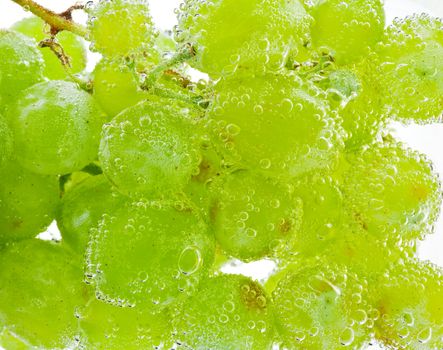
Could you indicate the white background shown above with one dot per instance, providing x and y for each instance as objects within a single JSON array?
[{"x": 427, "y": 139}]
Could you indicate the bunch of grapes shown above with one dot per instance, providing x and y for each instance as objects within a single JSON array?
[{"x": 156, "y": 181}]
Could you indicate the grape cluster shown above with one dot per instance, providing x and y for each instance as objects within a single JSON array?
[{"x": 156, "y": 180}]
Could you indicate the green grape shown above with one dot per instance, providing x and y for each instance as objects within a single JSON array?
[
  {"x": 247, "y": 35},
  {"x": 116, "y": 86},
  {"x": 409, "y": 303},
  {"x": 121, "y": 27},
  {"x": 228, "y": 312},
  {"x": 392, "y": 191},
  {"x": 347, "y": 28},
  {"x": 412, "y": 49},
  {"x": 28, "y": 202},
  {"x": 321, "y": 306},
  {"x": 276, "y": 124},
  {"x": 56, "y": 128},
  {"x": 149, "y": 148},
  {"x": 72, "y": 45},
  {"x": 149, "y": 254},
  {"x": 165, "y": 43},
  {"x": 254, "y": 216},
  {"x": 39, "y": 294},
  {"x": 21, "y": 65},
  {"x": 9, "y": 340},
  {"x": 83, "y": 206},
  {"x": 5, "y": 141}
]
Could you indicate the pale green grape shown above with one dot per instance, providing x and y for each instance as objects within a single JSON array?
[
  {"x": 392, "y": 191},
  {"x": 28, "y": 202},
  {"x": 251, "y": 36},
  {"x": 409, "y": 303},
  {"x": 149, "y": 254},
  {"x": 254, "y": 216},
  {"x": 40, "y": 290},
  {"x": 5, "y": 141},
  {"x": 72, "y": 45},
  {"x": 228, "y": 312},
  {"x": 413, "y": 49},
  {"x": 121, "y": 27},
  {"x": 321, "y": 306},
  {"x": 116, "y": 86},
  {"x": 56, "y": 127},
  {"x": 347, "y": 28},
  {"x": 149, "y": 148},
  {"x": 9, "y": 340},
  {"x": 21, "y": 65},
  {"x": 276, "y": 124},
  {"x": 83, "y": 206}
]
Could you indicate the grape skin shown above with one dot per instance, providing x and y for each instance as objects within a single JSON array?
[{"x": 5, "y": 141}]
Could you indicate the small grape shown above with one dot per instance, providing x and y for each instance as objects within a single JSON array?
[
  {"x": 62, "y": 113},
  {"x": 252, "y": 36},
  {"x": 5, "y": 141},
  {"x": 228, "y": 312},
  {"x": 83, "y": 206},
  {"x": 121, "y": 27},
  {"x": 149, "y": 254},
  {"x": 28, "y": 202},
  {"x": 253, "y": 216},
  {"x": 149, "y": 148},
  {"x": 347, "y": 28},
  {"x": 72, "y": 45}
]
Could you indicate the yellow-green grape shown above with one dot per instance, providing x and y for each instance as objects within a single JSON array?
[
  {"x": 409, "y": 304},
  {"x": 276, "y": 124},
  {"x": 40, "y": 291},
  {"x": 413, "y": 49},
  {"x": 253, "y": 216},
  {"x": 252, "y": 36},
  {"x": 347, "y": 29},
  {"x": 104, "y": 326},
  {"x": 149, "y": 148},
  {"x": 121, "y": 27},
  {"x": 9, "y": 340},
  {"x": 72, "y": 45},
  {"x": 149, "y": 254},
  {"x": 116, "y": 86},
  {"x": 83, "y": 206},
  {"x": 321, "y": 306},
  {"x": 5, "y": 141},
  {"x": 392, "y": 191},
  {"x": 28, "y": 202},
  {"x": 21, "y": 65},
  {"x": 228, "y": 312},
  {"x": 56, "y": 127}
]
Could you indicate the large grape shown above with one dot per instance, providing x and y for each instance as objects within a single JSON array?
[
  {"x": 251, "y": 36},
  {"x": 149, "y": 148},
  {"x": 149, "y": 254},
  {"x": 5, "y": 141},
  {"x": 56, "y": 127},
  {"x": 28, "y": 202},
  {"x": 253, "y": 216},
  {"x": 72, "y": 45},
  {"x": 228, "y": 312}
]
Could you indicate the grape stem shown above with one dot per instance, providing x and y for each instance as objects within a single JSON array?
[{"x": 58, "y": 22}]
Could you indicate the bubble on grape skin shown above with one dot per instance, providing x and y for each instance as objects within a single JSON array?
[{"x": 190, "y": 260}]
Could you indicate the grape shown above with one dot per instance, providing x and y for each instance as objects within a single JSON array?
[
  {"x": 412, "y": 48},
  {"x": 28, "y": 202},
  {"x": 253, "y": 216},
  {"x": 116, "y": 86},
  {"x": 21, "y": 65},
  {"x": 83, "y": 206},
  {"x": 347, "y": 28},
  {"x": 239, "y": 316},
  {"x": 5, "y": 141},
  {"x": 121, "y": 27},
  {"x": 275, "y": 124},
  {"x": 392, "y": 191},
  {"x": 62, "y": 113},
  {"x": 149, "y": 254},
  {"x": 149, "y": 148},
  {"x": 247, "y": 35},
  {"x": 320, "y": 306},
  {"x": 72, "y": 45},
  {"x": 409, "y": 304},
  {"x": 40, "y": 291}
]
